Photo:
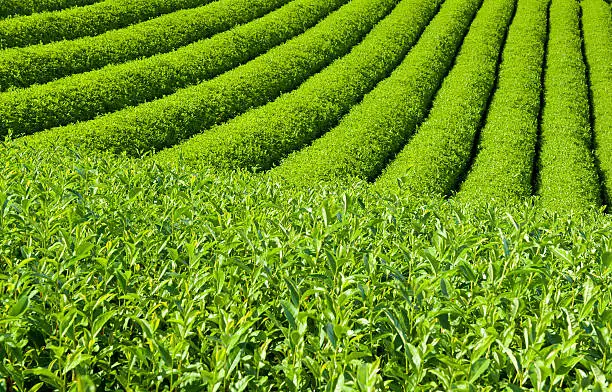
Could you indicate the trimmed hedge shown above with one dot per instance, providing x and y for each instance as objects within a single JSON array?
[
  {"x": 433, "y": 161},
  {"x": 261, "y": 137},
  {"x": 164, "y": 122},
  {"x": 22, "y": 67},
  {"x": 83, "y": 96},
  {"x": 375, "y": 130},
  {"x": 90, "y": 20},
  {"x": 597, "y": 27},
  {"x": 504, "y": 164},
  {"x": 567, "y": 174},
  {"x": 28, "y": 7}
]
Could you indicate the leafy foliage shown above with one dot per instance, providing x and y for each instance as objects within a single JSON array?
[
  {"x": 83, "y": 96},
  {"x": 381, "y": 124},
  {"x": 22, "y": 67},
  {"x": 119, "y": 274},
  {"x": 166, "y": 121},
  {"x": 434, "y": 159},
  {"x": 27, "y": 7},
  {"x": 83, "y": 21},
  {"x": 504, "y": 163},
  {"x": 261, "y": 137},
  {"x": 597, "y": 28},
  {"x": 567, "y": 174}
]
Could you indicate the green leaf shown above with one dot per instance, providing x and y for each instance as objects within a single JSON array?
[
  {"x": 599, "y": 376},
  {"x": 396, "y": 324},
  {"x": 165, "y": 354},
  {"x": 20, "y": 306},
  {"x": 146, "y": 327},
  {"x": 75, "y": 360},
  {"x": 293, "y": 290},
  {"x": 606, "y": 259},
  {"x": 331, "y": 261},
  {"x": 415, "y": 355},
  {"x": 443, "y": 287},
  {"x": 329, "y": 330},
  {"x": 443, "y": 319},
  {"x": 99, "y": 322},
  {"x": 47, "y": 376},
  {"x": 290, "y": 312},
  {"x": 325, "y": 214},
  {"x": 478, "y": 367},
  {"x": 134, "y": 192},
  {"x": 504, "y": 243},
  {"x": 83, "y": 250},
  {"x": 482, "y": 346}
]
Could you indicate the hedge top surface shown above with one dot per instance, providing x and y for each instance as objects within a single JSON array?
[
  {"x": 262, "y": 136},
  {"x": 166, "y": 121},
  {"x": 89, "y": 20}
]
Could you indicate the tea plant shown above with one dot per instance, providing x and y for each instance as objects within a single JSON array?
[
  {"x": 28, "y": 7},
  {"x": 434, "y": 159},
  {"x": 504, "y": 163},
  {"x": 567, "y": 178},
  {"x": 597, "y": 30},
  {"x": 22, "y": 67},
  {"x": 364, "y": 142},
  {"x": 166, "y": 121},
  {"x": 119, "y": 274},
  {"x": 84, "y": 96},
  {"x": 252, "y": 253},
  {"x": 84, "y": 21},
  {"x": 261, "y": 137}
]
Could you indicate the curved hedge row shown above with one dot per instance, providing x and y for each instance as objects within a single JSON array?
[
  {"x": 162, "y": 123},
  {"x": 84, "y": 21},
  {"x": 28, "y": 7},
  {"x": 503, "y": 167},
  {"x": 567, "y": 174},
  {"x": 263, "y": 136},
  {"x": 83, "y": 96},
  {"x": 440, "y": 151},
  {"x": 376, "y": 129},
  {"x": 597, "y": 27},
  {"x": 22, "y": 67}
]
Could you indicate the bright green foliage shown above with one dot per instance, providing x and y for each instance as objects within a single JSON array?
[
  {"x": 434, "y": 159},
  {"x": 90, "y": 20},
  {"x": 121, "y": 274},
  {"x": 22, "y": 67},
  {"x": 567, "y": 174},
  {"x": 379, "y": 127},
  {"x": 27, "y": 7},
  {"x": 504, "y": 164},
  {"x": 597, "y": 26},
  {"x": 263, "y": 136},
  {"x": 162, "y": 123},
  {"x": 125, "y": 276},
  {"x": 83, "y": 96}
]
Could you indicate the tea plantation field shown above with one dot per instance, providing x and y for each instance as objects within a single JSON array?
[{"x": 305, "y": 195}]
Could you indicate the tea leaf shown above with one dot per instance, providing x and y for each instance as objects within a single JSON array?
[
  {"x": 478, "y": 368},
  {"x": 20, "y": 306}
]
